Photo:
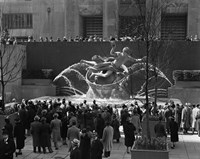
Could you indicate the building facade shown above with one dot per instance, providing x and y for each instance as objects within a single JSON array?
[{"x": 104, "y": 18}]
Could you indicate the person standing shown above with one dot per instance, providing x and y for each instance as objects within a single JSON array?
[
  {"x": 129, "y": 133},
  {"x": 75, "y": 153},
  {"x": 96, "y": 147},
  {"x": 198, "y": 122},
  {"x": 9, "y": 127},
  {"x": 194, "y": 114},
  {"x": 99, "y": 125},
  {"x": 73, "y": 133},
  {"x": 159, "y": 129},
  {"x": 135, "y": 119},
  {"x": 19, "y": 134},
  {"x": 115, "y": 124},
  {"x": 167, "y": 114},
  {"x": 107, "y": 139},
  {"x": 23, "y": 114},
  {"x": 35, "y": 131},
  {"x": 173, "y": 131},
  {"x": 7, "y": 146},
  {"x": 65, "y": 123},
  {"x": 85, "y": 141},
  {"x": 45, "y": 135},
  {"x": 186, "y": 118},
  {"x": 56, "y": 125}
]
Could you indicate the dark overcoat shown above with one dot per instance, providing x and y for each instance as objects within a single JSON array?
[
  {"x": 100, "y": 125},
  {"x": 173, "y": 131},
  {"x": 96, "y": 149},
  {"x": 35, "y": 131},
  {"x": 45, "y": 134},
  {"x": 85, "y": 146},
  {"x": 115, "y": 124},
  {"x": 9, "y": 128},
  {"x": 23, "y": 117},
  {"x": 7, "y": 149},
  {"x": 19, "y": 134},
  {"x": 129, "y": 133},
  {"x": 65, "y": 123}
]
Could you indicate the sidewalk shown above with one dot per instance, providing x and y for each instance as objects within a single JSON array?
[{"x": 188, "y": 147}]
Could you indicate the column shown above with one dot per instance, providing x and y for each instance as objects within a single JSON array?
[{"x": 110, "y": 18}]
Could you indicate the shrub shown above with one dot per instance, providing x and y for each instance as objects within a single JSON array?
[{"x": 143, "y": 143}]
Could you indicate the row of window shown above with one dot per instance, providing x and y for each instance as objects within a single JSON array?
[
  {"x": 17, "y": 21},
  {"x": 172, "y": 26}
]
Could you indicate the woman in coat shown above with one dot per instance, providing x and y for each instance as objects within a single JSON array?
[
  {"x": 45, "y": 135},
  {"x": 35, "y": 131},
  {"x": 56, "y": 125},
  {"x": 173, "y": 132},
  {"x": 115, "y": 124},
  {"x": 129, "y": 134},
  {"x": 19, "y": 134},
  {"x": 85, "y": 144},
  {"x": 107, "y": 139}
]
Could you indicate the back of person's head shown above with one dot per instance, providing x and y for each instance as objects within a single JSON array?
[
  {"x": 55, "y": 115},
  {"x": 107, "y": 123},
  {"x": 36, "y": 118},
  {"x": 43, "y": 119},
  {"x": 73, "y": 122}
]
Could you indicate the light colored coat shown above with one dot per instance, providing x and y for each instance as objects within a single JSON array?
[
  {"x": 56, "y": 125},
  {"x": 135, "y": 120},
  {"x": 194, "y": 114},
  {"x": 107, "y": 138}
]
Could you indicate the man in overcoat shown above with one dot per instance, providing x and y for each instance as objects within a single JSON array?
[
  {"x": 73, "y": 133},
  {"x": 45, "y": 136},
  {"x": 56, "y": 125},
  {"x": 35, "y": 132}
]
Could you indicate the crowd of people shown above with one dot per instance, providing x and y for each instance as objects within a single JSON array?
[{"x": 89, "y": 130}]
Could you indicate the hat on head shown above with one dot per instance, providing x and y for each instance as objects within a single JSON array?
[
  {"x": 36, "y": 118},
  {"x": 75, "y": 142},
  {"x": 55, "y": 115}
]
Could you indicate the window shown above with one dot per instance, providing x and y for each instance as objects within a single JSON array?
[
  {"x": 130, "y": 26},
  {"x": 17, "y": 21},
  {"x": 93, "y": 26},
  {"x": 174, "y": 27}
]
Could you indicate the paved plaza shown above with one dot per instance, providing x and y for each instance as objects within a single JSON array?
[{"x": 188, "y": 147}]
